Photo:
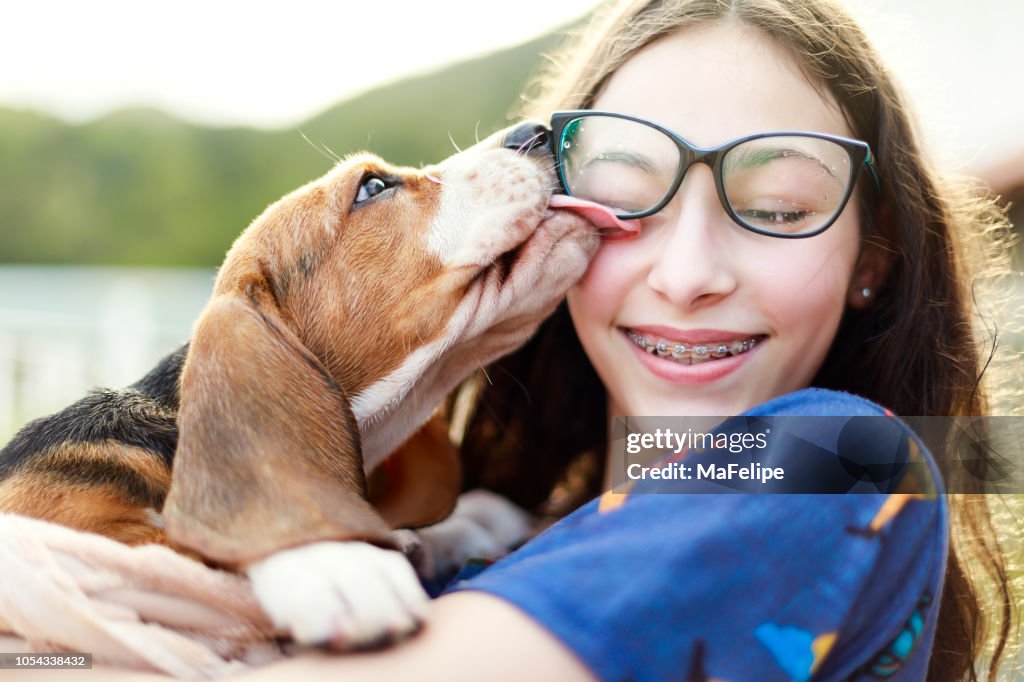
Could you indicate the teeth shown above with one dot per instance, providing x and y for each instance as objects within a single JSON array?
[{"x": 697, "y": 354}]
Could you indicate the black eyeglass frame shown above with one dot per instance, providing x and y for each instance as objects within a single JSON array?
[{"x": 859, "y": 153}]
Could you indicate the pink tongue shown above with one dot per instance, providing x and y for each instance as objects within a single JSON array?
[{"x": 600, "y": 216}]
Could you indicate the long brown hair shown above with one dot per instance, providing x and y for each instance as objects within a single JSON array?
[{"x": 535, "y": 429}]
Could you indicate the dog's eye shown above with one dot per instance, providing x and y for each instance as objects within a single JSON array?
[{"x": 371, "y": 186}]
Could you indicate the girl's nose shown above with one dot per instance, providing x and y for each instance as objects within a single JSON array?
[{"x": 692, "y": 267}]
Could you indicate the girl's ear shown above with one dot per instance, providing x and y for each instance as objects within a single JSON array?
[{"x": 873, "y": 265}]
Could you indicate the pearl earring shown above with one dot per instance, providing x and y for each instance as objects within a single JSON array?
[{"x": 865, "y": 292}]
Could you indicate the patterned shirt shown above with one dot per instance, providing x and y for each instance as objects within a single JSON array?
[{"x": 738, "y": 587}]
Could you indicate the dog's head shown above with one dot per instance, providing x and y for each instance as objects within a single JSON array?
[{"x": 339, "y": 320}]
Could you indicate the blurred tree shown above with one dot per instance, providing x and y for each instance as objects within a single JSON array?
[{"x": 138, "y": 187}]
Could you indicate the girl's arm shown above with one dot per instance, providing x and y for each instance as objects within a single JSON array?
[{"x": 472, "y": 636}]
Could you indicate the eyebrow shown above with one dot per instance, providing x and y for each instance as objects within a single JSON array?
[
  {"x": 760, "y": 157},
  {"x": 637, "y": 160}
]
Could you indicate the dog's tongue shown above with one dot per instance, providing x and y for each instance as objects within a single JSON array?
[{"x": 600, "y": 216}]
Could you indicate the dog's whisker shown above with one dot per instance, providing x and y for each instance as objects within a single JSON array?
[
  {"x": 333, "y": 153},
  {"x": 539, "y": 172},
  {"x": 454, "y": 143},
  {"x": 321, "y": 148},
  {"x": 518, "y": 382},
  {"x": 528, "y": 144},
  {"x": 549, "y": 185}
]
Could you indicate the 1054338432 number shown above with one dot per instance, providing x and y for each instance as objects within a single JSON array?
[{"x": 45, "y": 661}]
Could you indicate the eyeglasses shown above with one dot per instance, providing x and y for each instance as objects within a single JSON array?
[{"x": 781, "y": 184}]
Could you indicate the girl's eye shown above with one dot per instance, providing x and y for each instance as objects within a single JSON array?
[
  {"x": 774, "y": 218},
  {"x": 371, "y": 186}
]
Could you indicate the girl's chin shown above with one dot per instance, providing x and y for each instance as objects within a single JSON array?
[{"x": 667, "y": 405}]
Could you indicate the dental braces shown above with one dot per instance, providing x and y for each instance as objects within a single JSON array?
[{"x": 701, "y": 351}]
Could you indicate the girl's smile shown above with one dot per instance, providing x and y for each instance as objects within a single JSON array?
[
  {"x": 692, "y": 357},
  {"x": 702, "y": 368},
  {"x": 692, "y": 347}
]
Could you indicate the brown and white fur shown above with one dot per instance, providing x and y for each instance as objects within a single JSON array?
[{"x": 338, "y": 322}]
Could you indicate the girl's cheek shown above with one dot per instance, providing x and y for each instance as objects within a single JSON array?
[
  {"x": 812, "y": 271},
  {"x": 606, "y": 278}
]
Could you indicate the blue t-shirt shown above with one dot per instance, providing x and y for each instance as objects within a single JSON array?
[{"x": 737, "y": 587}]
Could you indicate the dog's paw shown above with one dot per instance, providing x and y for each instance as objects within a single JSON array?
[
  {"x": 484, "y": 525},
  {"x": 346, "y": 594}
]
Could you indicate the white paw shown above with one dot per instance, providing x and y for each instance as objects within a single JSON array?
[
  {"x": 347, "y": 594},
  {"x": 484, "y": 525}
]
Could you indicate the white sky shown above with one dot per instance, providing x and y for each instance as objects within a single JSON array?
[
  {"x": 262, "y": 63},
  {"x": 274, "y": 64}
]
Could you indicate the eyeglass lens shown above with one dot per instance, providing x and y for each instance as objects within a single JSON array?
[{"x": 786, "y": 184}]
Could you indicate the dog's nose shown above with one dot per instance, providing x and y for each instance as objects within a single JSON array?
[{"x": 528, "y": 138}]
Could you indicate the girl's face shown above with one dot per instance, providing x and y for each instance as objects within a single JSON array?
[{"x": 693, "y": 276}]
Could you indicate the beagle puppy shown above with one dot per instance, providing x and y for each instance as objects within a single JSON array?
[{"x": 339, "y": 320}]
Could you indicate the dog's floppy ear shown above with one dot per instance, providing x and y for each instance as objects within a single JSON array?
[{"x": 268, "y": 454}]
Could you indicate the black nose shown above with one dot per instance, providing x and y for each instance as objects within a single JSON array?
[{"x": 528, "y": 138}]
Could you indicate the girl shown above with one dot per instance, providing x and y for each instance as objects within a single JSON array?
[
  {"x": 875, "y": 305},
  {"x": 715, "y": 304}
]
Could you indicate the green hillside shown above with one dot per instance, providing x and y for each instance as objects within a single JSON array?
[{"x": 139, "y": 187}]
